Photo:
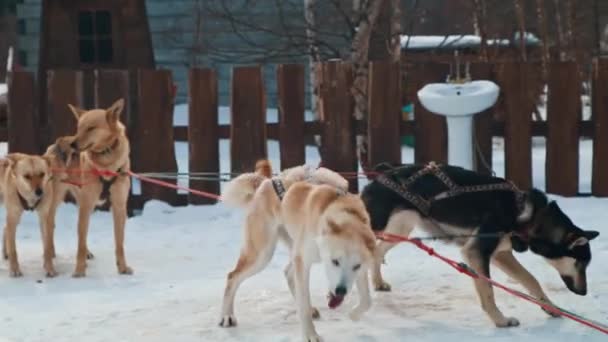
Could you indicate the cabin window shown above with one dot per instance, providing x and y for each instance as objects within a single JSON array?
[{"x": 95, "y": 37}]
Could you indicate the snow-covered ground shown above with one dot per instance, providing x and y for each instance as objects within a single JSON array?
[{"x": 181, "y": 256}]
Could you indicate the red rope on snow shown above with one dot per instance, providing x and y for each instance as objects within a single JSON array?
[{"x": 394, "y": 238}]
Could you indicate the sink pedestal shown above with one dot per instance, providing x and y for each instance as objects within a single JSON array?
[{"x": 460, "y": 141}]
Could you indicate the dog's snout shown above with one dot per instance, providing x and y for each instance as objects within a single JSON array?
[
  {"x": 341, "y": 291},
  {"x": 38, "y": 192}
]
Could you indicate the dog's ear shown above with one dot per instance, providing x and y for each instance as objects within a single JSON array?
[
  {"x": 591, "y": 234},
  {"x": 333, "y": 228},
  {"x": 76, "y": 111},
  {"x": 580, "y": 241},
  {"x": 13, "y": 158},
  {"x": 113, "y": 113},
  {"x": 48, "y": 160}
]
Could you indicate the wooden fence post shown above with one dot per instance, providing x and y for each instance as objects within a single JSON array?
[
  {"x": 483, "y": 124},
  {"x": 203, "y": 133},
  {"x": 518, "y": 126},
  {"x": 431, "y": 136},
  {"x": 563, "y": 117},
  {"x": 248, "y": 119},
  {"x": 599, "y": 182},
  {"x": 384, "y": 113},
  {"x": 23, "y": 133},
  {"x": 111, "y": 85},
  {"x": 153, "y": 144},
  {"x": 338, "y": 138},
  {"x": 290, "y": 84},
  {"x": 64, "y": 87}
]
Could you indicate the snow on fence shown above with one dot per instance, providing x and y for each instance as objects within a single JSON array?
[{"x": 32, "y": 124}]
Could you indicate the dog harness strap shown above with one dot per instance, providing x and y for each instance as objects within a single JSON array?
[
  {"x": 278, "y": 188},
  {"x": 25, "y": 205},
  {"x": 420, "y": 203}
]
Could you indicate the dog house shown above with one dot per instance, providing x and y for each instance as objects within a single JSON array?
[{"x": 92, "y": 34}]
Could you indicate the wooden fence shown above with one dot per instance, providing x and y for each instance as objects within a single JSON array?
[{"x": 149, "y": 95}]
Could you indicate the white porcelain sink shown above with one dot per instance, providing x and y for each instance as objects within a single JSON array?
[
  {"x": 450, "y": 99},
  {"x": 458, "y": 103}
]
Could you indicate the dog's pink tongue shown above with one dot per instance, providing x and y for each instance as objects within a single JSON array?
[{"x": 334, "y": 301}]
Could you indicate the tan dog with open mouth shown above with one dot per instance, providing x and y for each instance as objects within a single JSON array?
[
  {"x": 319, "y": 222},
  {"x": 103, "y": 146},
  {"x": 25, "y": 184}
]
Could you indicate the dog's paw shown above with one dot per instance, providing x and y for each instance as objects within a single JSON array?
[
  {"x": 126, "y": 270},
  {"x": 16, "y": 273},
  {"x": 90, "y": 255},
  {"x": 508, "y": 322},
  {"x": 79, "y": 273},
  {"x": 314, "y": 337},
  {"x": 228, "y": 322},
  {"x": 383, "y": 287},
  {"x": 50, "y": 271},
  {"x": 315, "y": 313}
]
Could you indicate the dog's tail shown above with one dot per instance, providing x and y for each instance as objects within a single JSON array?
[{"x": 239, "y": 191}]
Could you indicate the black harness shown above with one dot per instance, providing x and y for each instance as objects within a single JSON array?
[
  {"x": 424, "y": 204},
  {"x": 27, "y": 206},
  {"x": 279, "y": 188},
  {"x": 106, "y": 184}
]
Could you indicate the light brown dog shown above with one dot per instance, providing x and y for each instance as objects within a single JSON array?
[
  {"x": 25, "y": 184},
  {"x": 318, "y": 223},
  {"x": 103, "y": 146},
  {"x": 65, "y": 165}
]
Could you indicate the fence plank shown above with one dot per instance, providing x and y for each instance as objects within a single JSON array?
[
  {"x": 482, "y": 142},
  {"x": 111, "y": 85},
  {"x": 290, "y": 84},
  {"x": 154, "y": 149},
  {"x": 431, "y": 129},
  {"x": 64, "y": 87},
  {"x": 563, "y": 115},
  {"x": 203, "y": 137},
  {"x": 248, "y": 119},
  {"x": 23, "y": 135},
  {"x": 338, "y": 137},
  {"x": 518, "y": 126},
  {"x": 599, "y": 181},
  {"x": 384, "y": 113}
]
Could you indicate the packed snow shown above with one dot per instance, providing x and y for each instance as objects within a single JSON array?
[{"x": 181, "y": 256}]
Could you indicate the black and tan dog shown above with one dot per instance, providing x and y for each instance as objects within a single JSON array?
[
  {"x": 450, "y": 201},
  {"x": 25, "y": 184}
]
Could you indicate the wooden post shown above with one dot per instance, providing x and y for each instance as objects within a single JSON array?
[
  {"x": 23, "y": 135},
  {"x": 563, "y": 117},
  {"x": 384, "y": 113},
  {"x": 111, "y": 85},
  {"x": 483, "y": 122},
  {"x": 153, "y": 145},
  {"x": 338, "y": 138},
  {"x": 599, "y": 181},
  {"x": 203, "y": 138},
  {"x": 290, "y": 84},
  {"x": 64, "y": 87},
  {"x": 248, "y": 119},
  {"x": 431, "y": 129},
  {"x": 518, "y": 127}
]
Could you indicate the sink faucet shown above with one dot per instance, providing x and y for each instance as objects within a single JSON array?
[{"x": 458, "y": 79}]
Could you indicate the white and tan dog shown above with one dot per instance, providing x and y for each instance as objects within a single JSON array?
[
  {"x": 25, "y": 184},
  {"x": 318, "y": 220}
]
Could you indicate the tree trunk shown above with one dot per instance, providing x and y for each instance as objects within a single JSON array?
[
  {"x": 541, "y": 14},
  {"x": 396, "y": 30},
  {"x": 479, "y": 25},
  {"x": 521, "y": 23},
  {"x": 313, "y": 54},
  {"x": 561, "y": 41},
  {"x": 368, "y": 12}
]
